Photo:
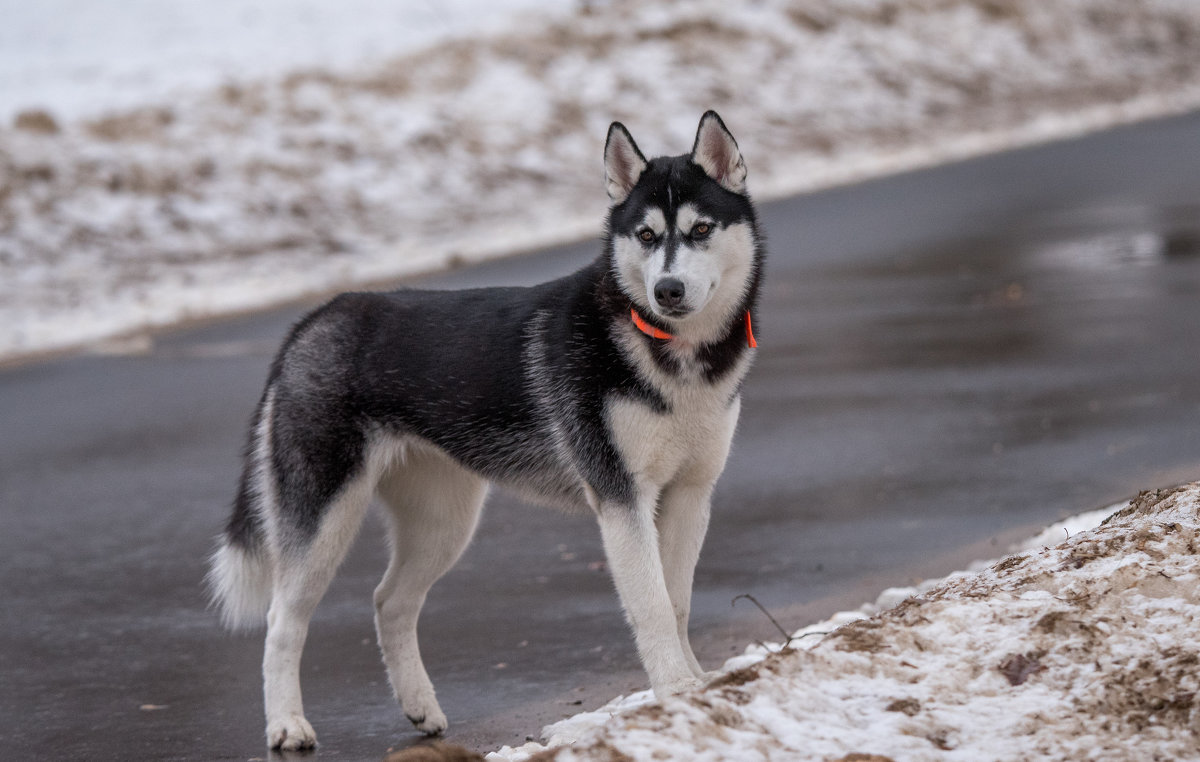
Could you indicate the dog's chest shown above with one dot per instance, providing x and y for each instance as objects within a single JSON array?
[{"x": 688, "y": 443}]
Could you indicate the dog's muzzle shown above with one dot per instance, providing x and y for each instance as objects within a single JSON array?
[{"x": 669, "y": 294}]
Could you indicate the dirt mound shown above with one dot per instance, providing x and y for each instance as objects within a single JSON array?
[{"x": 1083, "y": 650}]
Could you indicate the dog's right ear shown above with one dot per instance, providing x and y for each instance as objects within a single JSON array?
[{"x": 623, "y": 163}]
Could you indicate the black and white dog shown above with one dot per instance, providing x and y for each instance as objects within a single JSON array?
[{"x": 615, "y": 389}]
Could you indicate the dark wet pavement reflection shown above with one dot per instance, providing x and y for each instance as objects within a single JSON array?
[{"x": 948, "y": 359}]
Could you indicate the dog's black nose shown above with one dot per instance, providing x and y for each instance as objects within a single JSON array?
[{"x": 668, "y": 292}]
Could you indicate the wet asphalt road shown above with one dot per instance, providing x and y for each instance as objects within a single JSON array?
[{"x": 948, "y": 359}]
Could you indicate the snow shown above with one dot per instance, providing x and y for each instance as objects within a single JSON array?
[
  {"x": 1083, "y": 644},
  {"x": 81, "y": 58},
  {"x": 195, "y": 159}
]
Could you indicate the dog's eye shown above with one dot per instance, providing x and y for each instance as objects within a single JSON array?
[
  {"x": 701, "y": 229},
  {"x": 646, "y": 234}
]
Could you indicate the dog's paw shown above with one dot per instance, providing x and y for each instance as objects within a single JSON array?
[
  {"x": 420, "y": 706},
  {"x": 290, "y": 733},
  {"x": 431, "y": 723}
]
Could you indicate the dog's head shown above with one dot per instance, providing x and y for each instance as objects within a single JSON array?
[{"x": 682, "y": 231}]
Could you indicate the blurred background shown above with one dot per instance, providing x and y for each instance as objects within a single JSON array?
[
  {"x": 164, "y": 161},
  {"x": 980, "y": 314}
]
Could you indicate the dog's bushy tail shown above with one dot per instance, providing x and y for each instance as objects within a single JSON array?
[{"x": 239, "y": 571}]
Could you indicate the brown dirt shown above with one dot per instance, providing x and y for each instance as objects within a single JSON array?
[{"x": 436, "y": 751}]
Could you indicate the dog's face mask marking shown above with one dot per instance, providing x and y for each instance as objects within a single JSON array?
[
  {"x": 674, "y": 259},
  {"x": 682, "y": 245}
]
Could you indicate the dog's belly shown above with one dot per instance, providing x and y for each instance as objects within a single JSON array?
[{"x": 515, "y": 461}]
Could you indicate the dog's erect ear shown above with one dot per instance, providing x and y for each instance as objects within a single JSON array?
[
  {"x": 623, "y": 163},
  {"x": 717, "y": 153}
]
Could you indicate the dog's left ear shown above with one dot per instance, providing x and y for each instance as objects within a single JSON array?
[
  {"x": 717, "y": 153},
  {"x": 623, "y": 162}
]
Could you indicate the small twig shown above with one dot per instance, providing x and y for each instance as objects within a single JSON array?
[
  {"x": 806, "y": 634},
  {"x": 767, "y": 614}
]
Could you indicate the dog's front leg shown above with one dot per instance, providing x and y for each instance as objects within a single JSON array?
[
  {"x": 682, "y": 523},
  {"x": 631, "y": 545}
]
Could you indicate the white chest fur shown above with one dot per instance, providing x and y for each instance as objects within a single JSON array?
[
  {"x": 689, "y": 442},
  {"x": 687, "y": 445}
]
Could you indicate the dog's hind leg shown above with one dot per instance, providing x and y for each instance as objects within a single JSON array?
[
  {"x": 303, "y": 571},
  {"x": 434, "y": 508},
  {"x": 682, "y": 523}
]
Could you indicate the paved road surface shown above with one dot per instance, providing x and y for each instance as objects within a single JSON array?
[{"x": 948, "y": 359}]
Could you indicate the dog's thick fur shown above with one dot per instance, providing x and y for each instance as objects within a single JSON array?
[{"x": 424, "y": 397}]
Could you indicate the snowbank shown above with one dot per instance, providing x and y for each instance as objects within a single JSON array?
[
  {"x": 260, "y": 191},
  {"x": 1085, "y": 649},
  {"x": 81, "y": 58}
]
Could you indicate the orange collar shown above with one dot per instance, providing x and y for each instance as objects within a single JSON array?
[{"x": 655, "y": 333}]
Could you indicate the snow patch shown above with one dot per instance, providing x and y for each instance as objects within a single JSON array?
[{"x": 1083, "y": 644}]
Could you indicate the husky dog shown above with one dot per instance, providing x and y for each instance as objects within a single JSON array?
[{"x": 615, "y": 389}]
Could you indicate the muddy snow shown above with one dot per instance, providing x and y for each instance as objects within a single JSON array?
[
  {"x": 1082, "y": 645},
  {"x": 259, "y": 190}
]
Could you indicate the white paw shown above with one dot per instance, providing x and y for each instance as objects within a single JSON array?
[
  {"x": 431, "y": 723},
  {"x": 290, "y": 733},
  {"x": 426, "y": 715}
]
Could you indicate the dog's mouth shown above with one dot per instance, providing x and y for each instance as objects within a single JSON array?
[{"x": 672, "y": 312}]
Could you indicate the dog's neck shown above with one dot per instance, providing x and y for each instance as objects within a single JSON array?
[
  {"x": 658, "y": 333},
  {"x": 714, "y": 356}
]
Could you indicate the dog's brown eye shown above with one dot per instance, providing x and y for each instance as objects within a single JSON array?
[
  {"x": 701, "y": 230},
  {"x": 646, "y": 235}
]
